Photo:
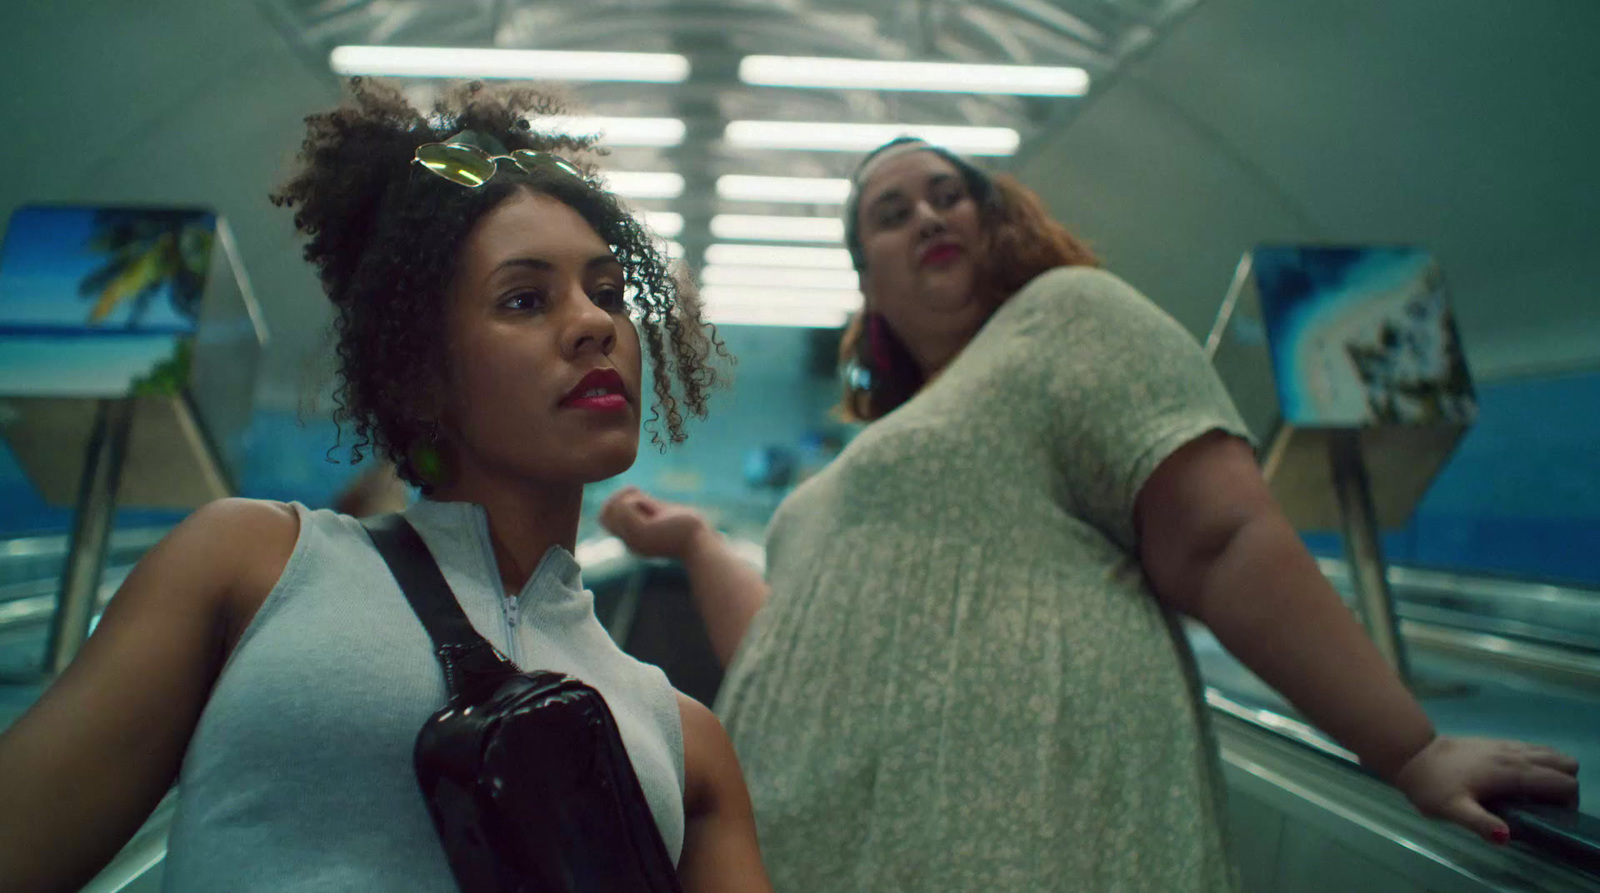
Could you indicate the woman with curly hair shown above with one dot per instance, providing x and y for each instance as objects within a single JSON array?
[
  {"x": 491, "y": 302},
  {"x": 967, "y": 673}
]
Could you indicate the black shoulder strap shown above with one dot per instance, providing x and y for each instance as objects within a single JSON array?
[{"x": 421, "y": 581}]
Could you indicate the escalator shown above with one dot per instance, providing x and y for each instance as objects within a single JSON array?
[
  {"x": 1304, "y": 821},
  {"x": 1498, "y": 658},
  {"x": 1492, "y": 657}
]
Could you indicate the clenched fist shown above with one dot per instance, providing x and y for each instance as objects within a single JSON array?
[{"x": 652, "y": 527}]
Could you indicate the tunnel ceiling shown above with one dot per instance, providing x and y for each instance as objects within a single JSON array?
[
  {"x": 1208, "y": 127},
  {"x": 1091, "y": 34}
]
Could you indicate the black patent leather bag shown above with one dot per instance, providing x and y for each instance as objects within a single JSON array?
[{"x": 525, "y": 774}]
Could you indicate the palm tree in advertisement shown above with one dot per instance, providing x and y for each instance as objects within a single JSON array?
[{"x": 146, "y": 251}]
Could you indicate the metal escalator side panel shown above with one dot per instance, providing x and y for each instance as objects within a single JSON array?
[{"x": 1326, "y": 802}]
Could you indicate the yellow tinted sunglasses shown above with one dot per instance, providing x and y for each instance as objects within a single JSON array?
[{"x": 472, "y": 166}]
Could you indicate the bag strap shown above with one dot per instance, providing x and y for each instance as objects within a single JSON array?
[
  {"x": 421, "y": 580},
  {"x": 472, "y": 666}
]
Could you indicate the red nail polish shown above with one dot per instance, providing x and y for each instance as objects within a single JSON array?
[{"x": 1502, "y": 835}]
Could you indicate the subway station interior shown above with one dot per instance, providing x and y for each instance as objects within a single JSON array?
[{"x": 1201, "y": 148}]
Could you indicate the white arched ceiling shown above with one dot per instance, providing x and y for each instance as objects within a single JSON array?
[
  {"x": 190, "y": 101},
  {"x": 1468, "y": 127},
  {"x": 1472, "y": 128}
]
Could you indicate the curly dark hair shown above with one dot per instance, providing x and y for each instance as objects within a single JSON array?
[
  {"x": 1021, "y": 241},
  {"x": 385, "y": 236}
]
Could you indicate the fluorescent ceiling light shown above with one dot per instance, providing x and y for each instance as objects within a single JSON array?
[
  {"x": 805, "y": 190},
  {"x": 796, "y": 317},
  {"x": 643, "y": 184},
  {"x": 835, "y": 137},
  {"x": 841, "y": 299},
  {"x": 551, "y": 65},
  {"x": 815, "y": 308},
  {"x": 777, "y": 229},
  {"x": 762, "y": 277},
  {"x": 877, "y": 74},
  {"x": 778, "y": 256},
  {"x": 673, "y": 250},
  {"x": 658, "y": 132},
  {"x": 665, "y": 224}
]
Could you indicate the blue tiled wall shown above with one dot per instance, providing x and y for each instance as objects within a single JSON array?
[
  {"x": 285, "y": 459},
  {"x": 772, "y": 402},
  {"x": 1521, "y": 496}
]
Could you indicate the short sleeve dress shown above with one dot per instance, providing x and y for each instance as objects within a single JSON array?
[{"x": 961, "y": 680}]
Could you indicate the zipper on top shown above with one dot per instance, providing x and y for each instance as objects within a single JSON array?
[{"x": 508, "y": 608}]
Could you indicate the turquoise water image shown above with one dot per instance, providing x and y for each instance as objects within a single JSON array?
[
  {"x": 92, "y": 298},
  {"x": 1361, "y": 335}
]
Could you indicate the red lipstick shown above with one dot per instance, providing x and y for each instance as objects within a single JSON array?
[
  {"x": 939, "y": 254},
  {"x": 601, "y": 390}
]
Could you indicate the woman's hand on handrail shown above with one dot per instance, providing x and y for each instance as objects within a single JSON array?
[{"x": 1452, "y": 779}]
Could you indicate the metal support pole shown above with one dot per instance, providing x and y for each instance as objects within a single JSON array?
[
  {"x": 1367, "y": 570},
  {"x": 91, "y": 532}
]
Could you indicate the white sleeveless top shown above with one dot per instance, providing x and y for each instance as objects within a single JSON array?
[{"x": 300, "y": 777}]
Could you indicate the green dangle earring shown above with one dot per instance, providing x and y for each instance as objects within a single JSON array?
[{"x": 429, "y": 459}]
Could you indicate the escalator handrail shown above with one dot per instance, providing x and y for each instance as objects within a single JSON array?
[
  {"x": 1478, "y": 587},
  {"x": 1557, "y": 832}
]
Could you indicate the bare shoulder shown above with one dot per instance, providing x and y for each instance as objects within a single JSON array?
[
  {"x": 707, "y": 755},
  {"x": 700, "y": 725},
  {"x": 238, "y": 537},
  {"x": 237, "y": 516},
  {"x": 720, "y": 851},
  {"x": 234, "y": 549},
  {"x": 694, "y": 713},
  {"x": 88, "y": 761}
]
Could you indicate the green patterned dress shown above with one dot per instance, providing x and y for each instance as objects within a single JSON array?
[{"x": 961, "y": 681}]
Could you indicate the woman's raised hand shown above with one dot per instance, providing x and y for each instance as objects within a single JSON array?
[
  {"x": 727, "y": 590},
  {"x": 1452, "y": 778},
  {"x": 650, "y": 526}
]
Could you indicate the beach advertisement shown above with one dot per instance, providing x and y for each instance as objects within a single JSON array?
[
  {"x": 1361, "y": 336},
  {"x": 101, "y": 302}
]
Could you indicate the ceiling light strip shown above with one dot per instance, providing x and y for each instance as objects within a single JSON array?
[
  {"x": 801, "y": 190},
  {"x": 732, "y": 305},
  {"x": 665, "y": 224},
  {"x": 764, "y": 228},
  {"x": 821, "y": 318},
  {"x": 778, "y": 256},
  {"x": 879, "y": 74},
  {"x": 656, "y": 132},
  {"x": 643, "y": 184},
  {"x": 835, "y": 137},
  {"x": 779, "y": 277},
  {"x": 735, "y": 295},
  {"x": 553, "y": 65}
]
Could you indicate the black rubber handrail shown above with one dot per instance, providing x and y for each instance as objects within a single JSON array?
[
  {"x": 1559, "y": 833},
  {"x": 1565, "y": 833}
]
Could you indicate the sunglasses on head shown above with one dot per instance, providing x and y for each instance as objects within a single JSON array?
[{"x": 472, "y": 166}]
